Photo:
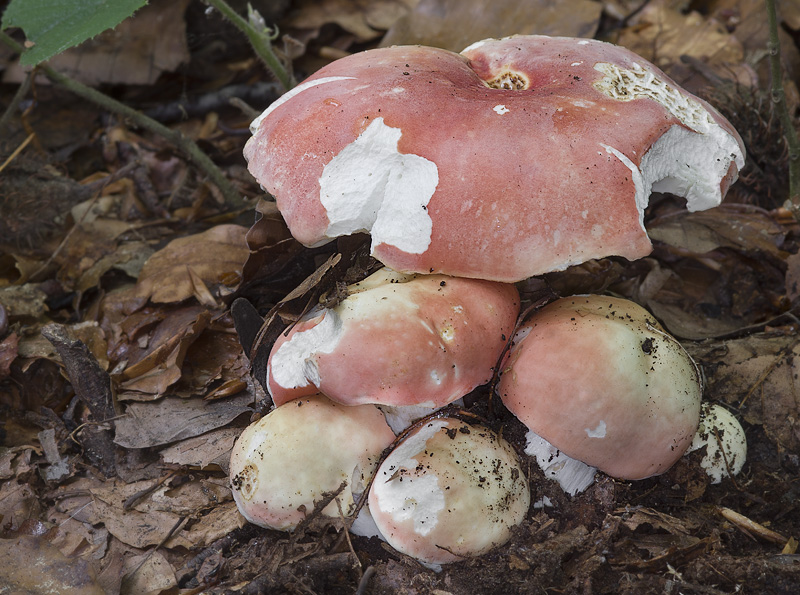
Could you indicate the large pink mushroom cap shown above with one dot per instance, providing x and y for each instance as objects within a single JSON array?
[
  {"x": 398, "y": 340},
  {"x": 517, "y": 157},
  {"x": 599, "y": 379}
]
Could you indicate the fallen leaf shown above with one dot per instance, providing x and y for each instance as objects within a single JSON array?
[
  {"x": 662, "y": 35},
  {"x": 758, "y": 376},
  {"x": 147, "y": 573},
  {"x": 8, "y": 353},
  {"x": 455, "y": 24},
  {"x": 30, "y": 562},
  {"x": 215, "y": 256},
  {"x": 366, "y": 19},
  {"x": 213, "y": 448},
  {"x": 173, "y": 419}
]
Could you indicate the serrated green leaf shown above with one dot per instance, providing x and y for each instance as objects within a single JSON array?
[{"x": 56, "y": 25}]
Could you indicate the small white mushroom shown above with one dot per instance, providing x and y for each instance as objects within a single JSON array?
[
  {"x": 724, "y": 440},
  {"x": 448, "y": 491},
  {"x": 282, "y": 464}
]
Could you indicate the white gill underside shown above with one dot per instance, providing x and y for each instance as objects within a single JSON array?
[
  {"x": 371, "y": 187},
  {"x": 572, "y": 475},
  {"x": 293, "y": 365},
  {"x": 688, "y": 161}
]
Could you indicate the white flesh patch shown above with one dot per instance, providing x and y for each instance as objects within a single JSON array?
[
  {"x": 370, "y": 186},
  {"x": 688, "y": 162},
  {"x": 572, "y": 475},
  {"x": 476, "y": 45},
  {"x": 289, "y": 94},
  {"x": 405, "y": 496},
  {"x": 401, "y": 416},
  {"x": 293, "y": 365},
  {"x": 598, "y": 432},
  {"x": 501, "y": 109}
]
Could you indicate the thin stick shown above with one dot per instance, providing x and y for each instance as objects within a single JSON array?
[
  {"x": 260, "y": 40},
  {"x": 779, "y": 101},
  {"x": 185, "y": 144},
  {"x": 17, "y": 151}
]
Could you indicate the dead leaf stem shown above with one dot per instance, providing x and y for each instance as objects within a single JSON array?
[
  {"x": 779, "y": 100},
  {"x": 184, "y": 143}
]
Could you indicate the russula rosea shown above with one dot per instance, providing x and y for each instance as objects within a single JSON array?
[
  {"x": 598, "y": 378},
  {"x": 397, "y": 340},
  {"x": 517, "y": 157},
  {"x": 723, "y": 437},
  {"x": 450, "y": 490},
  {"x": 282, "y": 464}
]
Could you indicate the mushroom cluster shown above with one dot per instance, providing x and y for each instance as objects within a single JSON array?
[{"x": 471, "y": 171}]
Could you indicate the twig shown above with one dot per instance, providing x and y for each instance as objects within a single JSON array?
[
  {"x": 185, "y": 144},
  {"x": 17, "y": 151},
  {"x": 22, "y": 91},
  {"x": 779, "y": 100},
  {"x": 261, "y": 40}
]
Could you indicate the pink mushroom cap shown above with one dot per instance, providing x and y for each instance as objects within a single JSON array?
[
  {"x": 516, "y": 157},
  {"x": 599, "y": 379},
  {"x": 397, "y": 340}
]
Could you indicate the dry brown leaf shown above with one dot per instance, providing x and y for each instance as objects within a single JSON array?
[
  {"x": 147, "y": 573},
  {"x": 28, "y": 563},
  {"x": 173, "y": 419},
  {"x": 8, "y": 353},
  {"x": 218, "y": 523},
  {"x": 23, "y": 301},
  {"x": 213, "y": 448},
  {"x": 729, "y": 226},
  {"x": 662, "y": 35},
  {"x": 18, "y": 502},
  {"x": 366, "y": 19},
  {"x": 215, "y": 256},
  {"x": 157, "y": 358},
  {"x": 758, "y": 375},
  {"x": 455, "y": 24}
]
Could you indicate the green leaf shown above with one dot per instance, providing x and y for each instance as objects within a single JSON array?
[{"x": 53, "y": 26}]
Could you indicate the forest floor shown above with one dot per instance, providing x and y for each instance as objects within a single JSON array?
[{"x": 123, "y": 381}]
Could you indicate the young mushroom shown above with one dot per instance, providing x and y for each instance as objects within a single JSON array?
[
  {"x": 600, "y": 381},
  {"x": 723, "y": 438},
  {"x": 284, "y": 463},
  {"x": 397, "y": 340},
  {"x": 517, "y": 157},
  {"x": 449, "y": 491}
]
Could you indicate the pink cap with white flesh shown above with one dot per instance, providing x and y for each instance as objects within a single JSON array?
[
  {"x": 516, "y": 157},
  {"x": 398, "y": 340},
  {"x": 599, "y": 379},
  {"x": 449, "y": 491},
  {"x": 282, "y": 464}
]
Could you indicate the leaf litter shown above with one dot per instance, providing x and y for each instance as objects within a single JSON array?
[{"x": 131, "y": 254}]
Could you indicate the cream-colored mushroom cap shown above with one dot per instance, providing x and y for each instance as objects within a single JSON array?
[
  {"x": 450, "y": 490},
  {"x": 282, "y": 464}
]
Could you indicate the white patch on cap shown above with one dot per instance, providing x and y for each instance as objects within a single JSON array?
[
  {"x": 476, "y": 45},
  {"x": 501, "y": 109},
  {"x": 641, "y": 186},
  {"x": 690, "y": 163},
  {"x": 289, "y": 94},
  {"x": 571, "y": 474},
  {"x": 370, "y": 186},
  {"x": 598, "y": 432},
  {"x": 293, "y": 365},
  {"x": 407, "y": 497}
]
